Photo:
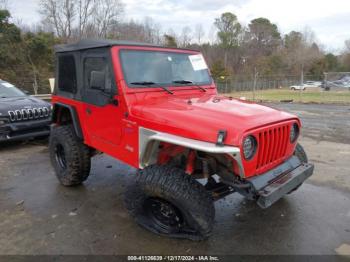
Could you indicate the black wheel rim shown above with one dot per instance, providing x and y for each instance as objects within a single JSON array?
[
  {"x": 60, "y": 156},
  {"x": 166, "y": 217}
]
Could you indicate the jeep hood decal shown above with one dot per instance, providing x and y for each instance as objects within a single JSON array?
[{"x": 201, "y": 118}]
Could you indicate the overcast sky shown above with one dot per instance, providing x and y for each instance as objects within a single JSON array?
[{"x": 330, "y": 20}]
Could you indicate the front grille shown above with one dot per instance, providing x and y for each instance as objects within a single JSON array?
[
  {"x": 29, "y": 114},
  {"x": 273, "y": 144}
]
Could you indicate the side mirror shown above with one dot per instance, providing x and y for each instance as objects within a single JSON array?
[{"x": 98, "y": 80}]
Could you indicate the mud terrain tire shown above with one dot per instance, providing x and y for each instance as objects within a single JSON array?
[
  {"x": 190, "y": 208},
  {"x": 69, "y": 156}
]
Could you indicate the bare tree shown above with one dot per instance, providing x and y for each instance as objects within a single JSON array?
[
  {"x": 151, "y": 31},
  {"x": 3, "y": 4},
  {"x": 186, "y": 36},
  {"x": 107, "y": 14},
  {"x": 81, "y": 18},
  {"x": 212, "y": 34},
  {"x": 85, "y": 12},
  {"x": 199, "y": 33},
  {"x": 347, "y": 46},
  {"x": 148, "y": 31},
  {"x": 61, "y": 14}
]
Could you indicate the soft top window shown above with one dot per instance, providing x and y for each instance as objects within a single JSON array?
[
  {"x": 67, "y": 74},
  {"x": 99, "y": 64}
]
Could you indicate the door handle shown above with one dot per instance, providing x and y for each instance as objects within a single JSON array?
[{"x": 88, "y": 111}]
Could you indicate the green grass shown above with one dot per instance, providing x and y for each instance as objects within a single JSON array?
[{"x": 307, "y": 96}]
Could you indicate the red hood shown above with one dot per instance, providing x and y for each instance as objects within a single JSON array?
[{"x": 202, "y": 117}]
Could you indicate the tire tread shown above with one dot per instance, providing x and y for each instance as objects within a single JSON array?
[
  {"x": 78, "y": 156},
  {"x": 174, "y": 184}
]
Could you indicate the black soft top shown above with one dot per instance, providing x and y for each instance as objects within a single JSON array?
[{"x": 98, "y": 43}]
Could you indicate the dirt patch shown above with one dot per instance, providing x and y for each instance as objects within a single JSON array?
[{"x": 331, "y": 161}]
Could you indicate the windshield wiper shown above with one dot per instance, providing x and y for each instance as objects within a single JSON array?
[
  {"x": 184, "y": 82},
  {"x": 143, "y": 83},
  {"x": 148, "y": 83}
]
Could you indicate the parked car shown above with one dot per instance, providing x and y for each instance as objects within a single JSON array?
[
  {"x": 22, "y": 116},
  {"x": 345, "y": 80},
  {"x": 298, "y": 87},
  {"x": 307, "y": 84},
  {"x": 340, "y": 83},
  {"x": 336, "y": 85},
  {"x": 157, "y": 109},
  {"x": 313, "y": 83}
]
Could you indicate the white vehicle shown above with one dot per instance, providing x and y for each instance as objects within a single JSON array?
[
  {"x": 307, "y": 84},
  {"x": 313, "y": 84},
  {"x": 298, "y": 87}
]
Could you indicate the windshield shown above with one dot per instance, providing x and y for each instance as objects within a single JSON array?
[
  {"x": 9, "y": 90},
  {"x": 150, "y": 68}
]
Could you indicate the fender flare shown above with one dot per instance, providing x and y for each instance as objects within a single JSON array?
[
  {"x": 74, "y": 115},
  {"x": 149, "y": 143}
]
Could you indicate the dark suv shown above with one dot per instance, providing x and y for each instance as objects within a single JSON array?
[{"x": 22, "y": 116}]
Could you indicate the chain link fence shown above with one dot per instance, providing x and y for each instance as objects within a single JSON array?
[{"x": 333, "y": 88}]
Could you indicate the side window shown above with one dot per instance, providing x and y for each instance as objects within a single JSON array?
[
  {"x": 98, "y": 64},
  {"x": 67, "y": 74}
]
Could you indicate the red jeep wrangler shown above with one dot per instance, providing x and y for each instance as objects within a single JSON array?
[{"x": 157, "y": 109}]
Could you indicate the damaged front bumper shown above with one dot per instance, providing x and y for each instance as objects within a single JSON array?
[{"x": 279, "y": 181}]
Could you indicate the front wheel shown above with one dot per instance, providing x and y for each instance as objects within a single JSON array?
[{"x": 168, "y": 202}]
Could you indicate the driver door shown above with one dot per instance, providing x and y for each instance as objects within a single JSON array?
[{"x": 102, "y": 114}]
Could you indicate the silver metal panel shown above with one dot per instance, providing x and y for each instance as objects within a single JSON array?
[{"x": 149, "y": 139}]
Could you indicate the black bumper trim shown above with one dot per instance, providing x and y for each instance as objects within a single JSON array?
[
  {"x": 24, "y": 130},
  {"x": 24, "y": 136},
  {"x": 283, "y": 185},
  {"x": 27, "y": 125},
  {"x": 261, "y": 181}
]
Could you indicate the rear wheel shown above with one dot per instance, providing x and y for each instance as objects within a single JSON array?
[
  {"x": 69, "y": 156},
  {"x": 301, "y": 154},
  {"x": 167, "y": 201}
]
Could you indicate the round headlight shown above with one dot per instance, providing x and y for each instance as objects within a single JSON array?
[
  {"x": 294, "y": 133},
  {"x": 249, "y": 147}
]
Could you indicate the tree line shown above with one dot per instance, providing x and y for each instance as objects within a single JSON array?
[{"x": 233, "y": 51}]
